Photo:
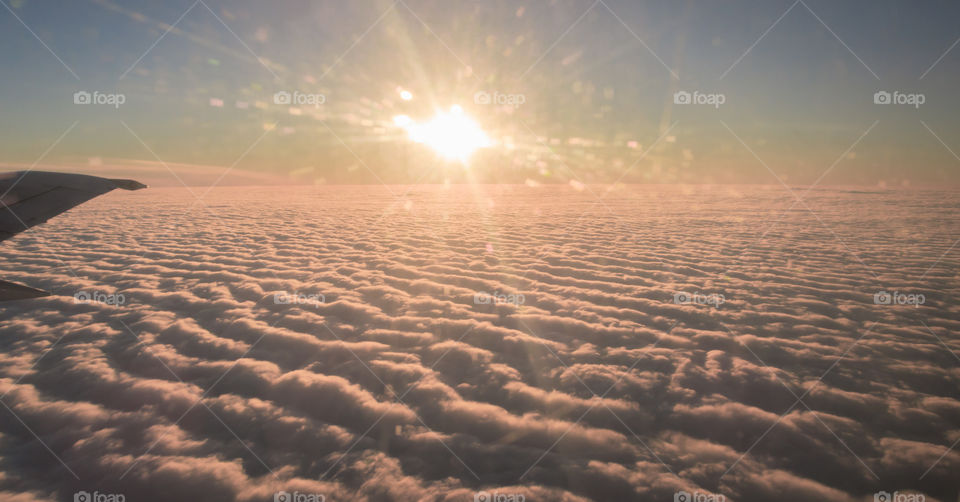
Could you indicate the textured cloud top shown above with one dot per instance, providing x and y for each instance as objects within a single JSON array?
[{"x": 485, "y": 343}]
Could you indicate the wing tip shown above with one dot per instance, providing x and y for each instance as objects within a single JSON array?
[
  {"x": 128, "y": 184},
  {"x": 10, "y": 291}
]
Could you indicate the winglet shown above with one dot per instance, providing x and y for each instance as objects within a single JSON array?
[{"x": 128, "y": 184}]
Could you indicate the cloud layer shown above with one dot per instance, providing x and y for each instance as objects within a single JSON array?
[{"x": 384, "y": 373}]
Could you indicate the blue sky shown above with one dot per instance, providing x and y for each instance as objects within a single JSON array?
[{"x": 798, "y": 81}]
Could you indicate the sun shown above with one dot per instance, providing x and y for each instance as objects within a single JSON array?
[{"x": 453, "y": 135}]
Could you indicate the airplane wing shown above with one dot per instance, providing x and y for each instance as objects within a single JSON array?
[
  {"x": 14, "y": 291},
  {"x": 29, "y": 198}
]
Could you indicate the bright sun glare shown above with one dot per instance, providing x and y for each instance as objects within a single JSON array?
[{"x": 453, "y": 135}]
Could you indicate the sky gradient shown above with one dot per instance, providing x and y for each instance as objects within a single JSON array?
[{"x": 597, "y": 81}]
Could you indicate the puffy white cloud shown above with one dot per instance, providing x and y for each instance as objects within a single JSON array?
[{"x": 397, "y": 385}]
